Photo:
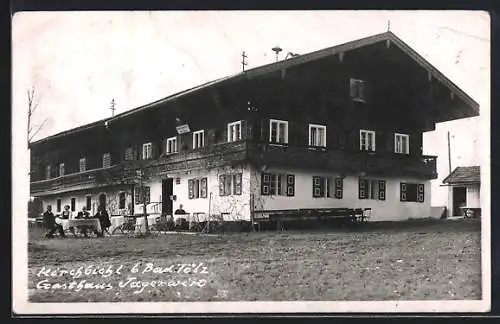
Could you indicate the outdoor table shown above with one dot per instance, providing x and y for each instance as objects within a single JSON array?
[
  {"x": 117, "y": 221},
  {"x": 139, "y": 222},
  {"x": 67, "y": 223}
]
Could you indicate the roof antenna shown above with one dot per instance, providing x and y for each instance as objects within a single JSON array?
[
  {"x": 388, "y": 25},
  {"x": 276, "y": 49},
  {"x": 243, "y": 60},
  {"x": 112, "y": 107}
]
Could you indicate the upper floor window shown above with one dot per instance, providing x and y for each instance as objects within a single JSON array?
[
  {"x": 83, "y": 164},
  {"x": 357, "y": 90},
  {"x": 106, "y": 160},
  {"x": 61, "y": 169},
  {"x": 198, "y": 139},
  {"x": 129, "y": 153},
  {"x": 366, "y": 140},
  {"x": 171, "y": 145},
  {"x": 234, "y": 131},
  {"x": 278, "y": 131},
  {"x": 147, "y": 151},
  {"x": 47, "y": 172},
  {"x": 401, "y": 143},
  {"x": 317, "y": 135}
]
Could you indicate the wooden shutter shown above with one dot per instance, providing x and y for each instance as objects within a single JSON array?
[
  {"x": 204, "y": 189},
  {"x": 381, "y": 189},
  {"x": 362, "y": 188},
  {"x": 420, "y": 192},
  {"x": 402, "y": 191},
  {"x": 147, "y": 194},
  {"x": 222, "y": 181},
  {"x": 191, "y": 188},
  {"x": 316, "y": 188},
  {"x": 290, "y": 185},
  {"x": 237, "y": 184},
  {"x": 339, "y": 188},
  {"x": 265, "y": 184}
]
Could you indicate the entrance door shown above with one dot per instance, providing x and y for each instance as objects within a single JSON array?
[
  {"x": 459, "y": 200},
  {"x": 167, "y": 186},
  {"x": 102, "y": 200}
]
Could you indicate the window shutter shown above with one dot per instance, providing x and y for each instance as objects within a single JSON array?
[
  {"x": 237, "y": 184},
  {"x": 204, "y": 188},
  {"x": 381, "y": 189},
  {"x": 147, "y": 195},
  {"x": 290, "y": 185},
  {"x": 191, "y": 188},
  {"x": 265, "y": 184},
  {"x": 222, "y": 181},
  {"x": 316, "y": 187},
  {"x": 420, "y": 192},
  {"x": 402, "y": 191},
  {"x": 362, "y": 189},
  {"x": 339, "y": 188}
]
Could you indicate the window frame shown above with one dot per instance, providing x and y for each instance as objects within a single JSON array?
[
  {"x": 129, "y": 153},
  {"x": 48, "y": 171},
  {"x": 374, "y": 140},
  {"x": 120, "y": 200},
  {"x": 407, "y": 148},
  {"x": 145, "y": 151},
  {"x": 58, "y": 205},
  {"x": 73, "y": 204},
  {"x": 317, "y": 126},
  {"x": 167, "y": 148},
  {"x": 354, "y": 92},
  {"x": 237, "y": 138},
  {"x": 61, "y": 167},
  {"x": 278, "y": 139},
  {"x": 104, "y": 155},
  {"x": 88, "y": 202},
  {"x": 82, "y": 161},
  {"x": 197, "y": 133}
]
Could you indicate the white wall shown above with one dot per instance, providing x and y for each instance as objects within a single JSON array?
[
  {"x": 154, "y": 207},
  {"x": 112, "y": 199},
  {"x": 382, "y": 210},
  {"x": 473, "y": 196}
]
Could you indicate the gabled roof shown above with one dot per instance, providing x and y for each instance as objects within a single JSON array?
[
  {"x": 280, "y": 65},
  {"x": 470, "y": 174}
]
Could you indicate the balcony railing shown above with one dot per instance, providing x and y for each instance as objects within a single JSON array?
[{"x": 345, "y": 162}]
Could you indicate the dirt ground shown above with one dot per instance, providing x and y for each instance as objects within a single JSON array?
[{"x": 414, "y": 260}]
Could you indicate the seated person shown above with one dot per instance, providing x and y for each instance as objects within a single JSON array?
[
  {"x": 180, "y": 221},
  {"x": 66, "y": 214},
  {"x": 84, "y": 214},
  {"x": 50, "y": 224}
]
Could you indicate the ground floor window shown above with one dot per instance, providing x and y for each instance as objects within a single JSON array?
[
  {"x": 89, "y": 202},
  {"x": 146, "y": 193},
  {"x": 327, "y": 187},
  {"x": 197, "y": 188},
  {"x": 73, "y": 204},
  {"x": 58, "y": 205},
  {"x": 412, "y": 192},
  {"x": 228, "y": 181},
  {"x": 122, "y": 199},
  {"x": 371, "y": 189},
  {"x": 277, "y": 184}
]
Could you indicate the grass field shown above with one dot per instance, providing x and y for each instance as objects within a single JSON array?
[{"x": 415, "y": 260}]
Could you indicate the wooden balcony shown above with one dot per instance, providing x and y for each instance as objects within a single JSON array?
[
  {"x": 81, "y": 180},
  {"x": 344, "y": 162}
]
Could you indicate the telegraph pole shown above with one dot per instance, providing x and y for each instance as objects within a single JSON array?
[
  {"x": 143, "y": 201},
  {"x": 449, "y": 154},
  {"x": 243, "y": 60},
  {"x": 112, "y": 107}
]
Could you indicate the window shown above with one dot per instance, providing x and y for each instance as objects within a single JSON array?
[
  {"x": 401, "y": 143},
  {"x": 357, "y": 90},
  {"x": 278, "y": 184},
  {"x": 73, "y": 204},
  {"x": 122, "y": 199},
  {"x": 83, "y": 164},
  {"x": 58, "y": 205},
  {"x": 367, "y": 140},
  {"x": 278, "y": 131},
  {"x": 171, "y": 145},
  {"x": 106, "y": 160},
  {"x": 198, "y": 139},
  {"x": 146, "y": 192},
  {"x": 88, "y": 203},
  {"x": 197, "y": 188},
  {"x": 412, "y": 192},
  {"x": 371, "y": 189},
  {"x": 61, "y": 169},
  {"x": 234, "y": 131},
  {"x": 129, "y": 153},
  {"x": 225, "y": 181},
  {"x": 147, "y": 151},
  {"x": 47, "y": 172},
  {"x": 317, "y": 135},
  {"x": 327, "y": 187}
]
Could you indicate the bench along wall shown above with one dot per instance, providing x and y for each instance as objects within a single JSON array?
[{"x": 390, "y": 209}]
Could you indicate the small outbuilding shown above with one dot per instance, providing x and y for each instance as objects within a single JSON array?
[{"x": 464, "y": 185}]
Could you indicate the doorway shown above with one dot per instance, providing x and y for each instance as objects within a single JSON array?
[
  {"x": 167, "y": 191},
  {"x": 459, "y": 200},
  {"x": 102, "y": 200}
]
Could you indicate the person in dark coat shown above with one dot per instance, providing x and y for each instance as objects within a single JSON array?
[
  {"x": 50, "y": 224},
  {"x": 103, "y": 217}
]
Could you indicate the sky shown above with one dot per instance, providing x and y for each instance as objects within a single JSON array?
[{"x": 79, "y": 61}]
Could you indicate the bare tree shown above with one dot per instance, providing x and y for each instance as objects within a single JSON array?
[{"x": 33, "y": 102}]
